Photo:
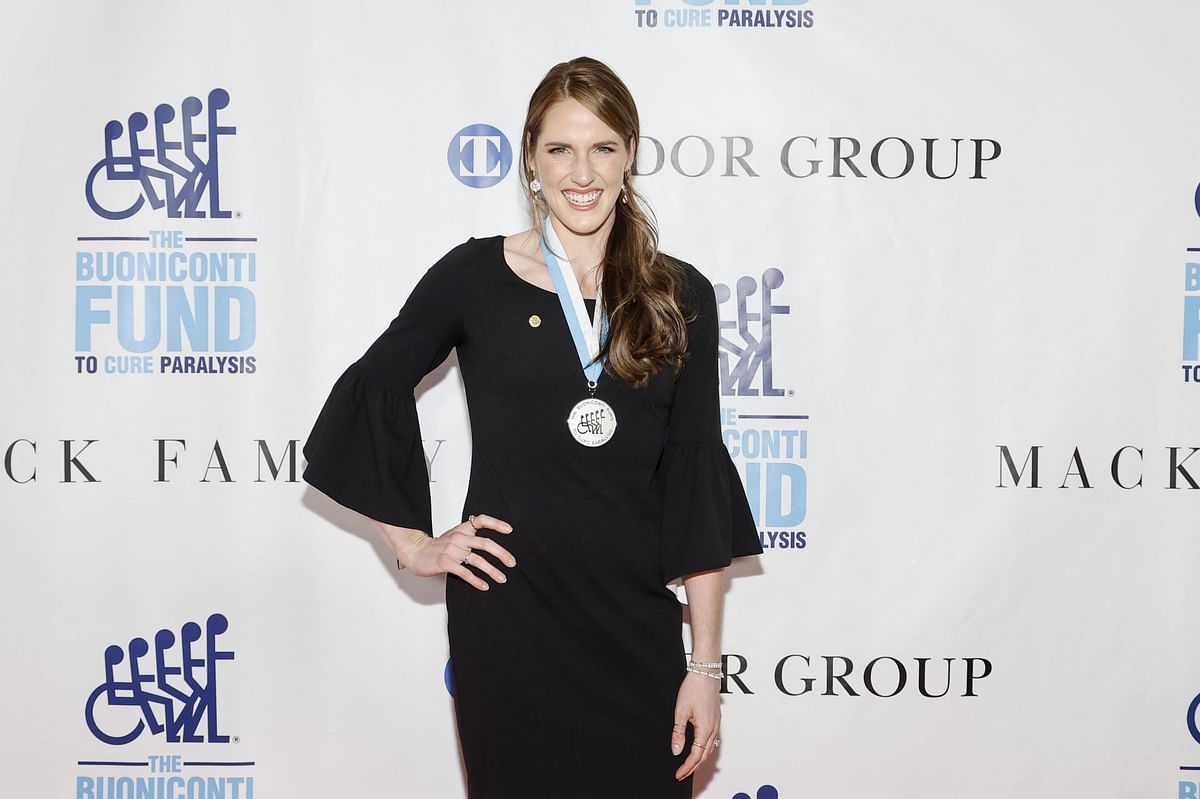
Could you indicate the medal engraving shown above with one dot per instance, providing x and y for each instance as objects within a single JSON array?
[{"x": 592, "y": 422}]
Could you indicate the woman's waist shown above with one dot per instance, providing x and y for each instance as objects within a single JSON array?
[{"x": 547, "y": 491}]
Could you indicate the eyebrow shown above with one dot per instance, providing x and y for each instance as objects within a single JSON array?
[{"x": 609, "y": 142}]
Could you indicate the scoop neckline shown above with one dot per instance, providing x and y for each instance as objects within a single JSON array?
[{"x": 499, "y": 238}]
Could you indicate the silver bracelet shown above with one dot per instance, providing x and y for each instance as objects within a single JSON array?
[
  {"x": 704, "y": 665},
  {"x": 706, "y": 673}
]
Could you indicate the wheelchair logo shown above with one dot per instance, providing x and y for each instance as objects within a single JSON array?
[
  {"x": 175, "y": 168},
  {"x": 175, "y": 692},
  {"x": 745, "y": 361}
]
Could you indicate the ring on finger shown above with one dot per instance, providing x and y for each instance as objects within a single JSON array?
[
  {"x": 702, "y": 746},
  {"x": 463, "y": 562},
  {"x": 471, "y": 519}
]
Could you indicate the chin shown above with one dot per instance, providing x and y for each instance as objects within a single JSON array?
[{"x": 585, "y": 223}]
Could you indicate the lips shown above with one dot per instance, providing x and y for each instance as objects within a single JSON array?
[{"x": 582, "y": 200}]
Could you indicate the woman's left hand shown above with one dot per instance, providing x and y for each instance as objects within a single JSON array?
[{"x": 699, "y": 701}]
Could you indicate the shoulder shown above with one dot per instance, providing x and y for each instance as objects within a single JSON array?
[
  {"x": 468, "y": 254},
  {"x": 460, "y": 267}
]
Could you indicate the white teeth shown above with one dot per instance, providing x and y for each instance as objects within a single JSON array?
[{"x": 581, "y": 199}]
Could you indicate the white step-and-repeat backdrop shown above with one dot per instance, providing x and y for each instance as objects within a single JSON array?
[{"x": 958, "y": 255}]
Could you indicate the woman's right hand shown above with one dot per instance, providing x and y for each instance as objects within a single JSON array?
[{"x": 426, "y": 556}]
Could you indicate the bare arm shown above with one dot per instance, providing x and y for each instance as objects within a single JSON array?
[
  {"x": 706, "y": 599},
  {"x": 452, "y": 552},
  {"x": 699, "y": 699}
]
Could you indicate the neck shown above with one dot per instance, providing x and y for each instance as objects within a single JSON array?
[{"x": 584, "y": 252}]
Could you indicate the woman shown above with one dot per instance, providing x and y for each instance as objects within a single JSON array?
[{"x": 590, "y": 488}]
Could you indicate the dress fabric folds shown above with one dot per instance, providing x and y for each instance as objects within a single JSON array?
[
  {"x": 381, "y": 426},
  {"x": 706, "y": 521},
  {"x": 565, "y": 676}
]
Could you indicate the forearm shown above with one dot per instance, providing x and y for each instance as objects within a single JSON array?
[
  {"x": 705, "y": 599},
  {"x": 404, "y": 541}
]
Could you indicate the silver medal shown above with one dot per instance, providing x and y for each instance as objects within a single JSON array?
[{"x": 592, "y": 422}]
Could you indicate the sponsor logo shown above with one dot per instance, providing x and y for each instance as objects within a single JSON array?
[
  {"x": 164, "y": 460},
  {"x": 173, "y": 166},
  {"x": 746, "y": 338},
  {"x": 833, "y": 157},
  {"x": 1124, "y": 469},
  {"x": 730, "y": 14},
  {"x": 172, "y": 692},
  {"x": 163, "y": 307},
  {"x": 767, "y": 442},
  {"x": 164, "y": 301},
  {"x": 166, "y": 689},
  {"x": 883, "y": 677},
  {"x": 479, "y": 156}
]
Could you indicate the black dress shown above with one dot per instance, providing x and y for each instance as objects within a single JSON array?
[{"x": 565, "y": 676}]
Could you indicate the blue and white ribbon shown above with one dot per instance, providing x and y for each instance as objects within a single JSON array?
[{"x": 588, "y": 338}]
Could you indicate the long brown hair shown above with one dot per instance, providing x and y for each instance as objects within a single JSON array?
[{"x": 642, "y": 288}]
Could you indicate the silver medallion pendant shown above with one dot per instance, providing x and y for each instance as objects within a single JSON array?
[{"x": 592, "y": 422}]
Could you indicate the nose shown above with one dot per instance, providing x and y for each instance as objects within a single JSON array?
[{"x": 582, "y": 172}]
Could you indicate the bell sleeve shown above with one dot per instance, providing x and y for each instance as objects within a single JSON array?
[
  {"x": 706, "y": 517},
  {"x": 365, "y": 450}
]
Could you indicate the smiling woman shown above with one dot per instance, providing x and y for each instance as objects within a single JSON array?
[
  {"x": 588, "y": 172},
  {"x": 569, "y": 672}
]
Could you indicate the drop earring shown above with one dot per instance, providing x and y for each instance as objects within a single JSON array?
[
  {"x": 535, "y": 185},
  {"x": 624, "y": 193}
]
